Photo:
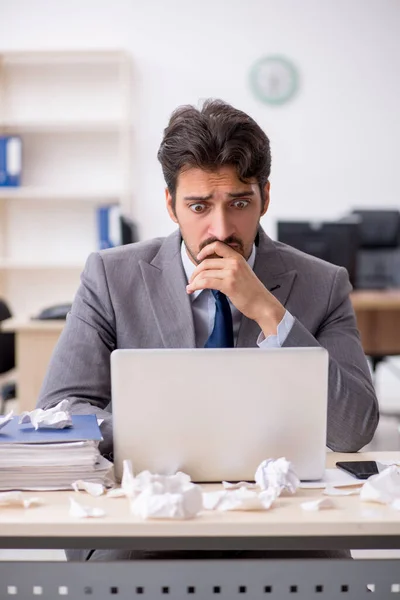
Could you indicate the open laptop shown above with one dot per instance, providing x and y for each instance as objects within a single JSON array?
[{"x": 217, "y": 413}]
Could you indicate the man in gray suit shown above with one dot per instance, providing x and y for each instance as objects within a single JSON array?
[{"x": 219, "y": 280}]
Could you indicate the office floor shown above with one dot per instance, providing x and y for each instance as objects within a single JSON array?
[{"x": 387, "y": 437}]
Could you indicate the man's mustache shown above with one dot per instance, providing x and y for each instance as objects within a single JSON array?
[{"x": 228, "y": 241}]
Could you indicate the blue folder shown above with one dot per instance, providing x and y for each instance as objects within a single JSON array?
[{"x": 84, "y": 427}]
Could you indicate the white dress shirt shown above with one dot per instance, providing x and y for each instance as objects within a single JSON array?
[{"x": 203, "y": 308}]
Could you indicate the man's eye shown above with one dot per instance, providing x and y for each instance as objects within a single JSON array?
[
  {"x": 197, "y": 208},
  {"x": 240, "y": 204}
]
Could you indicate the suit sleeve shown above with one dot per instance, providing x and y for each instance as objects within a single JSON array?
[
  {"x": 79, "y": 368},
  {"x": 353, "y": 412}
]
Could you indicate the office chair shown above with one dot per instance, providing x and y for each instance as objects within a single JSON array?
[{"x": 7, "y": 356}]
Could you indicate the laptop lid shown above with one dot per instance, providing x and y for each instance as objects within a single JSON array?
[{"x": 217, "y": 413}]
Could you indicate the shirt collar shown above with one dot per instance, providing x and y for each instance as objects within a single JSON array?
[{"x": 189, "y": 266}]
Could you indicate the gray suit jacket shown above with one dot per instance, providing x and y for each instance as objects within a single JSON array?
[{"x": 134, "y": 297}]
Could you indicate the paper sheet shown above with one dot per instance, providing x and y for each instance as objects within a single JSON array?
[
  {"x": 58, "y": 417},
  {"x": 4, "y": 420},
  {"x": 82, "y": 511},
  {"x": 277, "y": 474},
  {"x": 239, "y": 499},
  {"x": 332, "y": 478},
  {"x": 383, "y": 488},
  {"x": 315, "y": 505},
  {"x": 17, "y": 499}
]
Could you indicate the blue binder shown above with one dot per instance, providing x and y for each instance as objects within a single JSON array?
[
  {"x": 84, "y": 427},
  {"x": 10, "y": 161},
  {"x": 109, "y": 227}
]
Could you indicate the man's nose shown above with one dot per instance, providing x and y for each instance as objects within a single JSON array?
[{"x": 220, "y": 226}]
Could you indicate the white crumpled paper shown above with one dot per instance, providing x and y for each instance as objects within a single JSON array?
[
  {"x": 159, "y": 496},
  {"x": 278, "y": 475},
  {"x": 6, "y": 419},
  {"x": 315, "y": 505},
  {"x": 165, "y": 500},
  {"x": 239, "y": 499},
  {"x": 17, "y": 499},
  {"x": 239, "y": 485},
  {"x": 81, "y": 511},
  {"x": 94, "y": 489},
  {"x": 129, "y": 486},
  {"x": 333, "y": 491},
  {"x": 272, "y": 476},
  {"x": 383, "y": 488},
  {"x": 58, "y": 417}
]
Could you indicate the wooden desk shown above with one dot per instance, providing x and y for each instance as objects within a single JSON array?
[
  {"x": 35, "y": 342},
  {"x": 351, "y": 524},
  {"x": 287, "y": 525},
  {"x": 378, "y": 319}
]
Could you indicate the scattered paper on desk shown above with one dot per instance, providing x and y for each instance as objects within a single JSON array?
[
  {"x": 167, "y": 497},
  {"x": 116, "y": 493},
  {"x": 240, "y": 499},
  {"x": 383, "y": 488},
  {"x": 238, "y": 485},
  {"x": 128, "y": 479},
  {"x": 4, "y": 420},
  {"x": 333, "y": 491},
  {"x": 388, "y": 463},
  {"x": 278, "y": 475},
  {"x": 82, "y": 511},
  {"x": 315, "y": 505},
  {"x": 17, "y": 499},
  {"x": 58, "y": 417},
  {"x": 332, "y": 478},
  {"x": 94, "y": 489}
]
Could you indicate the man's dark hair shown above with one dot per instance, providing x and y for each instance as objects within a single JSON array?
[{"x": 212, "y": 137}]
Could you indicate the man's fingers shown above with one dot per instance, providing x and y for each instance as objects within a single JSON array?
[
  {"x": 223, "y": 250},
  {"x": 197, "y": 282},
  {"x": 206, "y": 284},
  {"x": 209, "y": 264}
]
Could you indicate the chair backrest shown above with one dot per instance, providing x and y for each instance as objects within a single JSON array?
[{"x": 7, "y": 342}]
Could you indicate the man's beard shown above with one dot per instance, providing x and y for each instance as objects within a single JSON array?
[{"x": 232, "y": 239}]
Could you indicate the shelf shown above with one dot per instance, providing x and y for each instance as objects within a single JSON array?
[
  {"x": 58, "y": 195},
  {"x": 18, "y": 265},
  {"x": 59, "y": 126},
  {"x": 74, "y": 111},
  {"x": 68, "y": 57}
]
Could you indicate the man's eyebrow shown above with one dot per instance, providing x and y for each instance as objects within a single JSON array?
[
  {"x": 241, "y": 194},
  {"x": 198, "y": 198},
  {"x": 209, "y": 197}
]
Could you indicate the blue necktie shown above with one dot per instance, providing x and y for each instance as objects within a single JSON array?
[{"x": 222, "y": 334}]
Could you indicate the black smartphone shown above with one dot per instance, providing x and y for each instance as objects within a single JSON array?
[{"x": 362, "y": 469}]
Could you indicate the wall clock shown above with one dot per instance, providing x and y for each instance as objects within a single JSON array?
[{"x": 274, "y": 79}]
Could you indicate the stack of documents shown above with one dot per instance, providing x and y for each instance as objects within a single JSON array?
[{"x": 51, "y": 458}]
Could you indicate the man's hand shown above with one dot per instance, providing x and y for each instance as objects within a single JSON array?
[{"x": 232, "y": 276}]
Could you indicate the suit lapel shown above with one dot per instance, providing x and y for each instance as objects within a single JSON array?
[
  {"x": 271, "y": 271},
  {"x": 165, "y": 283}
]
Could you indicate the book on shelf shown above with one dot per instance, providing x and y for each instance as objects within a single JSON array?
[
  {"x": 114, "y": 228},
  {"x": 10, "y": 160}
]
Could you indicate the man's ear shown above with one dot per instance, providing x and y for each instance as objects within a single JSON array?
[
  {"x": 170, "y": 205},
  {"x": 265, "y": 198}
]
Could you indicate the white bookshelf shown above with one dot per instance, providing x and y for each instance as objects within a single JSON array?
[{"x": 73, "y": 111}]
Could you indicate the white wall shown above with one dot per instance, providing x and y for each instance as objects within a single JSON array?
[{"x": 334, "y": 146}]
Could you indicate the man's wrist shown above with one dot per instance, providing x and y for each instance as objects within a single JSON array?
[{"x": 269, "y": 319}]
